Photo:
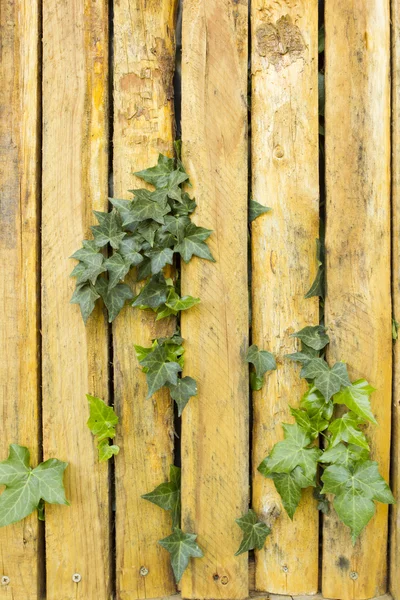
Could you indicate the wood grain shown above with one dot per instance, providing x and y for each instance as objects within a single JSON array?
[
  {"x": 215, "y": 422},
  {"x": 394, "y": 582},
  {"x": 20, "y": 544},
  {"x": 144, "y": 46},
  {"x": 75, "y": 180},
  {"x": 284, "y": 120},
  {"x": 358, "y": 302}
]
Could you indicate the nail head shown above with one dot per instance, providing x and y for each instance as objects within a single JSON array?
[
  {"x": 144, "y": 571},
  {"x": 224, "y": 580},
  {"x": 76, "y": 577},
  {"x": 5, "y": 580},
  {"x": 285, "y": 569},
  {"x": 353, "y": 575}
]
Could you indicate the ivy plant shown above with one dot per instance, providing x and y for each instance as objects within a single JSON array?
[
  {"x": 263, "y": 361},
  {"x": 255, "y": 532},
  {"x": 347, "y": 471},
  {"x": 27, "y": 489},
  {"x": 102, "y": 422},
  {"x": 181, "y": 546}
]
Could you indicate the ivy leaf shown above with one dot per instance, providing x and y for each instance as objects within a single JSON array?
[
  {"x": 327, "y": 381},
  {"x": 193, "y": 243},
  {"x": 181, "y": 546},
  {"x": 159, "y": 370},
  {"x": 117, "y": 268},
  {"x": 355, "y": 492},
  {"x": 85, "y": 295},
  {"x": 304, "y": 356},
  {"x": 313, "y": 425},
  {"x": 344, "y": 455},
  {"x": 26, "y": 487},
  {"x": 293, "y": 451},
  {"x": 129, "y": 250},
  {"x": 153, "y": 294},
  {"x": 356, "y": 398},
  {"x": 395, "y": 329},
  {"x": 178, "y": 304},
  {"x": 317, "y": 287},
  {"x": 256, "y": 383},
  {"x": 185, "y": 207},
  {"x": 90, "y": 264},
  {"x": 323, "y": 503},
  {"x": 114, "y": 298},
  {"x": 163, "y": 174},
  {"x": 313, "y": 337},
  {"x": 346, "y": 429},
  {"x": 109, "y": 231},
  {"x": 168, "y": 495},
  {"x": 159, "y": 257},
  {"x": 262, "y": 360},
  {"x": 182, "y": 392},
  {"x": 164, "y": 311},
  {"x": 176, "y": 225},
  {"x": 144, "y": 208},
  {"x": 148, "y": 230},
  {"x": 256, "y": 209},
  {"x": 144, "y": 269},
  {"x": 315, "y": 404},
  {"x": 254, "y": 532},
  {"x": 288, "y": 486},
  {"x": 321, "y": 39},
  {"x": 102, "y": 422}
]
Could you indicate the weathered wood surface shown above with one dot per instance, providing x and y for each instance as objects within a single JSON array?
[
  {"x": 394, "y": 579},
  {"x": 284, "y": 120},
  {"x": 358, "y": 302},
  {"x": 215, "y": 422},
  {"x": 19, "y": 321},
  {"x": 75, "y": 173},
  {"x": 144, "y": 46}
]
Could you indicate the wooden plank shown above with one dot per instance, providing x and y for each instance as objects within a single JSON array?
[
  {"x": 394, "y": 582},
  {"x": 215, "y": 423},
  {"x": 358, "y": 303},
  {"x": 143, "y": 127},
  {"x": 19, "y": 343},
  {"x": 285, "y": 177},
  {"x": 75, "y": 180}
]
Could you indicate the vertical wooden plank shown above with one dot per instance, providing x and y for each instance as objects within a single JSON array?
[
  {"x": 75, "y": 179},
  {"x": 215, "y": 423},
  {"x": 285, "y": 177},
  {"x": 144, "y": 50},
  {"x": 358, "y": 302},
  {"x": 19, "y": 343},
  {"x": 395, "y": 471}
]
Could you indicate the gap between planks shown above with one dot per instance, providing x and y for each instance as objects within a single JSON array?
[{"x": 267, "y": 596}]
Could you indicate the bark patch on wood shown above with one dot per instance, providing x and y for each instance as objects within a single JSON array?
[{"x": 282, "y": 43}]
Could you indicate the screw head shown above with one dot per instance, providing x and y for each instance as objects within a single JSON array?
[
  {"x": 76, "y": 577},
  {"x": 285, "y": 569},
  {"x": 5, "y": 580},
  {"x": 143, "y": 571},
  {"x": 224, "y": 580},
  {"x": 353, "y": 575}
]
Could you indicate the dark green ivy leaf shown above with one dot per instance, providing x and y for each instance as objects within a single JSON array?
[
  {"x": 256, "y": 209},
  {"x": 90, "y": 263},
  {"x": 159, "y": 258},
  {"x": 327, "y": 381},
  {"x": 154, "y": 293},
  {"x": 159, "y": 370},
  {"x": 168, "y": 495},
  {"x": 117, "y": 268},
  {"x": 304, "y": 356},
  {"x": 254, "y": 532},
  {"x": 163, "y": 173},
  {"x": 129, "y": 249},
  {"x": 313, "y": 337},
  {"x": 193, "y": 243},
  {"x": 114, "y": 298},
  {"x": 182, "y": 392},
  {"x": 85, "y": 295},
  {"x": 262, "y": 360},
  {"x": 109, "y": 231},
  {"x": 181, "y": 546}
]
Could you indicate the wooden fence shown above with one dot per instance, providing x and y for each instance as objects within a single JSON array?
[{"x": 87, "y": 92}]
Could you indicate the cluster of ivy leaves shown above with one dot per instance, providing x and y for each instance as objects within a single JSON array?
[
  {"x": 147, "y": 233},
  {"x": 348, "y": 473}
]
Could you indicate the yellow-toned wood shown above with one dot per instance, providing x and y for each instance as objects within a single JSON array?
[
  {"x": 144, "y": 46},
  {"x": 75, "y": 357},
  {"x": 20, "y": 546},
  {"x": 395, "y": 470},
  {"x": 358, "y": 303},
  {"x": 285, "y": 177},
  {"x": 215, "y": 422}
]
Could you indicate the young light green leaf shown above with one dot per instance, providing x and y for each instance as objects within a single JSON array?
[
  {"x": 254, "y": 532},
  {"x": 181, "y": 546},
  {"x": 26, "y": 487},
  {"x": 256, "y": 383},
  {"x": 154, "y": 293},
  {"x": 256, "y": 209},
  {"x": 102, "y": 422},
  {"x": 262, "y": 360},
  {"x": 356, "y": 398},
  {"x": 313, "y": 337},
  {"x": 395, "y": 329},
  {"x": 85, "y": 295},
  {"x": 327, "y": 381},
  {"x": 109, "y": 230},
  {"x": 179, "y": 304},
  {"x": 313, "y": 425},
  {"x": 114, "y": 298},
  {"x": 315, "y": 404},
  {"x": 159, "y": 370},
  {"x": 193, "y": 243},
  {"x": 182, "y": 392},
  {"x": 168, "y": 495},
  {"x": 346, "y": 429},
  {"x": 293, "y": 451}
]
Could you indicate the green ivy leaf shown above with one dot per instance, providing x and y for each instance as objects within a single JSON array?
[
  {"x": 356, "y": 398},
  {"x": 288, "y": 486},
  {"x": 316, "y": 405},
  {"x": 129, "y": 249},
  {"x": 85, "y": 295},
  {"x": 177, "y": 226},
  {"x": 109, "y": 230},
  {"x": 321, "y": 39},
  {"x": 102, "y": 422},
  {"x": 313, "y": 425},
  {"x": 355, "y": 492},
  {"x": 346, "y": 429},
  {"x": 256, "y": 383},
  {"x": 90, "y": 263},
  {"x": 256, "y": 209},
  {"x": 346, "y": 455},
  {"x": 26, "y": 487},
  {"x": 327, "y": 381},
  {"x": 313, "y": 337},
  {"x": 254, "y": 532},
  {"x": 154, "y": 293},
  {"x": 179, "y": 304},
  {"x": 159, "y": 257},
  {"x": 304, "y": 356},
  {"x": 168, "y": 495},
  {"x": 262, "y": 360},
  {"x": 185, "y": 207},
  {"x": 181, "y": 546},
  {"x": 182, "y": 392},
  {"x": 159, "y": 369},
  {"x": 193, "y": 243},
  {"x": 317, "y": 287},
  {"x": 114, "y": 298},
  {"x": 293, "y": 451},
  {"x": 164, "y": 173},
  {"x": 117, "y": 268}
]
